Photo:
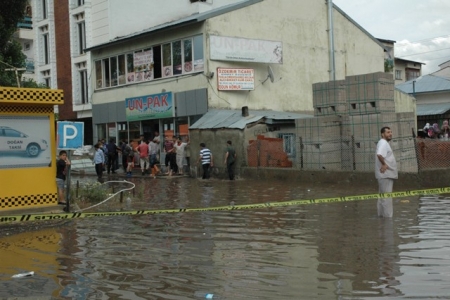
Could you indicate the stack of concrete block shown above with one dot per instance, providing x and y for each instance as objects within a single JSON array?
[
  {"x": 329, "y": 98},
  {"x": 321, "y": 141},
  {"x": 360, "y": 94},
  {"x": 364, "y": 132},
  {"x": 370, "y": 93},
  {"x": 348, "y": 117},
  {"x": 322, "y": 156}
]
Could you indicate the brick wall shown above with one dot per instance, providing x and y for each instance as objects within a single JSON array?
[
  {"x": 267, "y": 152},
  {"x": 63, "y": 60}
]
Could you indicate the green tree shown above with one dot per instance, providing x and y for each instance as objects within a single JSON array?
[{"x": 11, "y": 12}]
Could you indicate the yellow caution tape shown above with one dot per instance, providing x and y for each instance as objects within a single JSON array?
[{"x": 79, "y": 215}]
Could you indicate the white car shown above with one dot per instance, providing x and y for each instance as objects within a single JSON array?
[{"x": 14, "y": 141}]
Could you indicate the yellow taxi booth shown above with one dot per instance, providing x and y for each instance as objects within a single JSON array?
[{"x": 28, "y": 147}]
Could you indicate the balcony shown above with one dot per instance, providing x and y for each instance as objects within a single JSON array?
[
  {"x": 26, "y": 23},
  {"x": 29, "y": 63}
]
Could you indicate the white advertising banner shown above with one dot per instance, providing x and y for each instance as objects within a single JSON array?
[
  {"x": 248, "y": 50},
  {"x": 24, "y": 142},
  {"x": 235, "y": 79}
]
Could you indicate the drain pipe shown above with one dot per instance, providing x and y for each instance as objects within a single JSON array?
[{"x": 331, "y": 40}]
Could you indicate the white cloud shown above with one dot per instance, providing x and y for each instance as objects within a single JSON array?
[{"x": 411, "y": 23}]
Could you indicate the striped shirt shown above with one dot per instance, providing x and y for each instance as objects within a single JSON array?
[{"x": 205, "y": 153}]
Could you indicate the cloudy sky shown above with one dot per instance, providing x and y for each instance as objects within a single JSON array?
[{"x": 421, "y": 28}]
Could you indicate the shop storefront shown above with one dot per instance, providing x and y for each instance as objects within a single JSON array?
[{"x": 166, "y": 113}]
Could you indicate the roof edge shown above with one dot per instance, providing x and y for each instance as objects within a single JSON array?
[
  {"x": 359, "y": 27},
  {"x": 192, "y": 19}
]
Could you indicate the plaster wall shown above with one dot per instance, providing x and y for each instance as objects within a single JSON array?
[{"x": 301, "y": 26}]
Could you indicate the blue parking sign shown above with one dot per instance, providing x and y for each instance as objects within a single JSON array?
[{"x": 70, "y": 135}]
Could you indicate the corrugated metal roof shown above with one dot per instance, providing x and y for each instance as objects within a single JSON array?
[
  {"x": 432, "y": 109},
  {"x": 425, "y": 84},
  {"x": 224, "y": 118}
]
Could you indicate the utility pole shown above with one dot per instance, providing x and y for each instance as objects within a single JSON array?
[{"x": 16, "y": 71}]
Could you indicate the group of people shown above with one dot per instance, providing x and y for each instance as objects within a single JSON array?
[
  {"x": 148, "y": 151},
  {"x": 106, "y": 157},
  {"x": 434, "y": 132}
]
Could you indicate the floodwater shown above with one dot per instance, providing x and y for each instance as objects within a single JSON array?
[{"x": 317, "y": 251}]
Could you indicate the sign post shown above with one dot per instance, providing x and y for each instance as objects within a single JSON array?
[{"x": 70, "y": 136}]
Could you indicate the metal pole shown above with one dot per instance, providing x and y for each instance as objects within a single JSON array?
[
  {"x": 331, "y": 40},
  {"x": 67, "y": 209}
]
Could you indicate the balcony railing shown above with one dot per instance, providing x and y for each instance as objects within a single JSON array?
[{"x": 26, "y": 23}]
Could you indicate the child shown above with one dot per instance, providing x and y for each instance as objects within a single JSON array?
[
  {"x": 130, "y": 164},
  {"x": 61, "y": 169}
]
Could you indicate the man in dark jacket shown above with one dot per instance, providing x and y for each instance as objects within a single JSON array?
[{"x": 112, "y": 155}]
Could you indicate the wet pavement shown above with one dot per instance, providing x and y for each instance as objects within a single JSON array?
[{"x": 317, "y": 251}]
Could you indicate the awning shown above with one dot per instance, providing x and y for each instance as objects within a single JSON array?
[{"x": 432, "y": 109}]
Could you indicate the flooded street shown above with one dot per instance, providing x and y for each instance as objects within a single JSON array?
[{"x": 317, "y": 251}]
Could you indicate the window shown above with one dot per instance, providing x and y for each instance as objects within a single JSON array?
[
  {"x": 47, "y": 82},
  {"x": 81, "y": 37},
  {"x": 12, "y": 133},
  {"x": 412, "y": 74},
  {"x": 27, "y": 46},
  {"x": 288, "y": 143},
  {"x": 84, "y": 97},
  {"x": 176, "y": 57},
  {"x": 80, "y": 2},
  {"x": 398, "y": 74},
  {"x": 107, "y": 75},
  {"x": 198, "y": 53},
  {"x": 44, "y": 9},
  {"x": 187, "y": 50},
  {"x": 121, "y": 69},
  {"x": 46, "y": 52},
  {"x": 170, "y": 59},
  {"x": 98, "y": 74},
  {"x": 130, "y": 68},
  {"x": 114, "y": 75},
  {"x": 167, "y": 60}
]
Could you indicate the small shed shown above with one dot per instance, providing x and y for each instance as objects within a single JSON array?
[{"x": 241, "y": 127}]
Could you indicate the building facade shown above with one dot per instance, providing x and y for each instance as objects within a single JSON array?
[
  {"x": 166, "y": 76},
  {"x": 60, "y": 60}
]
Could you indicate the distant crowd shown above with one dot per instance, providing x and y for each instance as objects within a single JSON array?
[
  {"x": 434, "y": 132},
  {"x": 144, "y": 153}
]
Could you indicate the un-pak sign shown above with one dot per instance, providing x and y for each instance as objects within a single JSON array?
[{"x": 70, "y": 135}]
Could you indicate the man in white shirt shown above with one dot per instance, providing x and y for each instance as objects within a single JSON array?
[{"x": 385, "y": 172}]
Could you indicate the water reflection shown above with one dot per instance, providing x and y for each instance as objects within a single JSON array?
[{"x": 326, "y": 251}]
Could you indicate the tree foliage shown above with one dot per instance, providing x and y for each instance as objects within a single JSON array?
[{"x": 11, "y": 12}]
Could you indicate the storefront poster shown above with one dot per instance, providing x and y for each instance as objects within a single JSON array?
[
  {"x": 143, "y": 65},
  {"x": 24, "y": 142},
  {"x": 155, "y": 106}
]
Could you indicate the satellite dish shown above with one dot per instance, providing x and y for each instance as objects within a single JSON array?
[{"x": 269, "y": 75}]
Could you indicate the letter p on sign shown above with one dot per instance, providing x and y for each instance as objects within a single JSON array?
[{"x": 70, "y": 135}]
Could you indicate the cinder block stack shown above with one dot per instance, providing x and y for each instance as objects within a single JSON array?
[
  {"x": 370, "y": 93},
  {"x": 329, "y": 98},
  {"x": 348, "y": 117}
]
